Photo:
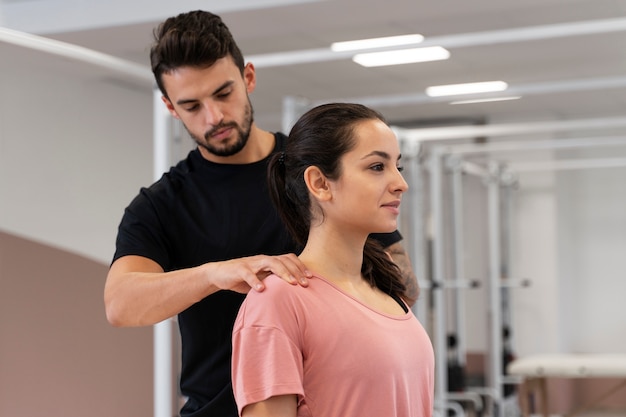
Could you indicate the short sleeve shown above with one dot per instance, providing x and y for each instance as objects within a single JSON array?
[
  {"x": 140, "y": 232},
  {"x": 267, "y": 359}
]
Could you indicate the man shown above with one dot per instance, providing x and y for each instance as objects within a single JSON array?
[{"x": 195, "y": 242}]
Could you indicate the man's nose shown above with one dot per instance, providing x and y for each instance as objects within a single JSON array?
[{"x": 213, "y": 114}]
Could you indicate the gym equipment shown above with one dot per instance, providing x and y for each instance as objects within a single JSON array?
[{"x": 535, "y": 370}]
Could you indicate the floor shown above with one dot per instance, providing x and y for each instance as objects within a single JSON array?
[
  {"x": 511, "y": 409},
  {"x": 599, "y": 413},
  {"x": 515, "y": 413},
  {"x": 589, "y": 413}
]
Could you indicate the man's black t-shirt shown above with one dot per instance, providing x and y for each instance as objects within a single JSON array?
[{"x": 201, "y": 212}]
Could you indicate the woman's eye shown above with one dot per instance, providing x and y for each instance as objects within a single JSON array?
[
  {"x": 400, "y": 168},
  {"x": 377, "y": 167}
]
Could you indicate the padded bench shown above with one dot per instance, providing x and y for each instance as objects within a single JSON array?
[{"x": 534, "y": 370}]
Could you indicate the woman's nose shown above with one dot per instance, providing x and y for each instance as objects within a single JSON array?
[{"x": 400, "y": 183}]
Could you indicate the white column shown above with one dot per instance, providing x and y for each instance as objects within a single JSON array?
[{"x": 162, "y": 336}]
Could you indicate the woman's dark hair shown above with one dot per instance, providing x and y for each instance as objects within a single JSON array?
[
  {"x": 194, "y": 39},
  {"x": 320, "y": 138}
]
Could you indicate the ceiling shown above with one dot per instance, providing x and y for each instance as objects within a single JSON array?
[{"x": 566, "y": 58}]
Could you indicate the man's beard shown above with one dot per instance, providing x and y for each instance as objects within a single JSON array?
[{"x": 243, "y": 133}]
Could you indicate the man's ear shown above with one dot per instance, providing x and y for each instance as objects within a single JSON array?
[
  {"x": 317, "y": 183},
  {"x": 170, "y": 106},
  {"x": 249, "y": 77}
]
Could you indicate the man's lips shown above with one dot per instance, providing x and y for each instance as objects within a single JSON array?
[{"x": 221, "y": 134}]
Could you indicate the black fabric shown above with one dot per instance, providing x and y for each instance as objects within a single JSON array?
[
  {"x": 399, "y": 301},
  {"x": 200, "y": 212},
  {"x": 387, "y": 239}
]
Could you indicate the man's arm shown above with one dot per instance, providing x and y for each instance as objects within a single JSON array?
[
  {"x": 138, "y": 292},
  {"x": 279, "y": 406},
  {"x": 401, "y": 258}
]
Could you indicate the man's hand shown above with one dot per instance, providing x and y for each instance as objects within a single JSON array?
[{"x": 242, "y": 274}]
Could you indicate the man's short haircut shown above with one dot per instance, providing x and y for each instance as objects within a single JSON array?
[{"x": 193, "y": 39}]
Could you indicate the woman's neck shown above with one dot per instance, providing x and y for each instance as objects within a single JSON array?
[
  {"x": 333, "y": 255},
  {"x": 338, "y": 258}
]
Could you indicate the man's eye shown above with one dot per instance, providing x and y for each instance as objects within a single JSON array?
[
  {"x": 192, "y": 108},
  {"x": 224, "y": 94}
]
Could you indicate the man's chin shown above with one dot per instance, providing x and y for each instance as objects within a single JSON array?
[{"x": 223, "y": 151}]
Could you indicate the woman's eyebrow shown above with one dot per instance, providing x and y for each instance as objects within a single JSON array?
[
  {"x": 382, "y": 154},
  {"x": 378, "y": 153}
]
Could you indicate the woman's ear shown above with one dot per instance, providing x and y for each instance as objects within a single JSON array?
[{"x": 317, "y": 183}]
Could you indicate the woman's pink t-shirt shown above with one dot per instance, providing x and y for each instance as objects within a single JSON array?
[{"x": 340, "y": 357}]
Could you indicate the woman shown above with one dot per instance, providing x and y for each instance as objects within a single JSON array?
[{"x": 348, "y": 345}]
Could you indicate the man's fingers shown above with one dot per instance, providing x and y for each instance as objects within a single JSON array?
[
  {"x": 287, "y": 267},
  {"x": 253, "y": 280},
  {"x": 242, "y": 274},
  {"x": 294, "y": 270}
]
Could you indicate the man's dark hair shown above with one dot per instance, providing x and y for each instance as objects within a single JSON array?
[{"x": 194, "y": 39}]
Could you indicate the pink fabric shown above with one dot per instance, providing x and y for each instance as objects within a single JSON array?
[{"x": 339, "y": 356}]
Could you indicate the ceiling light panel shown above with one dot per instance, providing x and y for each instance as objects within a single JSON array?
[
  {"x": 402, "y": 56},
  {"x": 486, "y": 100},
  {"x": 389, "y": 41},
  {"x": 467, "y": 88}
]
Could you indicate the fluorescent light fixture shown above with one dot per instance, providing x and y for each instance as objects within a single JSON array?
[
  {"x": 402, "y": 56},
  {"x": 376, "y": 43},
  {"x": 468, "y": 88},
  {"x": 485, "y": 100}
]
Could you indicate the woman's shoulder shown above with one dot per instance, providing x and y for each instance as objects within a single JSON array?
[
  {"x": 279, "y": 304},
  {"x": 275, "y": 284},
  {"x": 276, "y": 292}
]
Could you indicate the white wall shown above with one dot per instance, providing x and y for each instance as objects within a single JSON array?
[
  {"x": 73, "y": 152},
  {"x": 592, "y": 255},
  {"x": 534, "y": 235},
  {"x": 570, "y": 239}
]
